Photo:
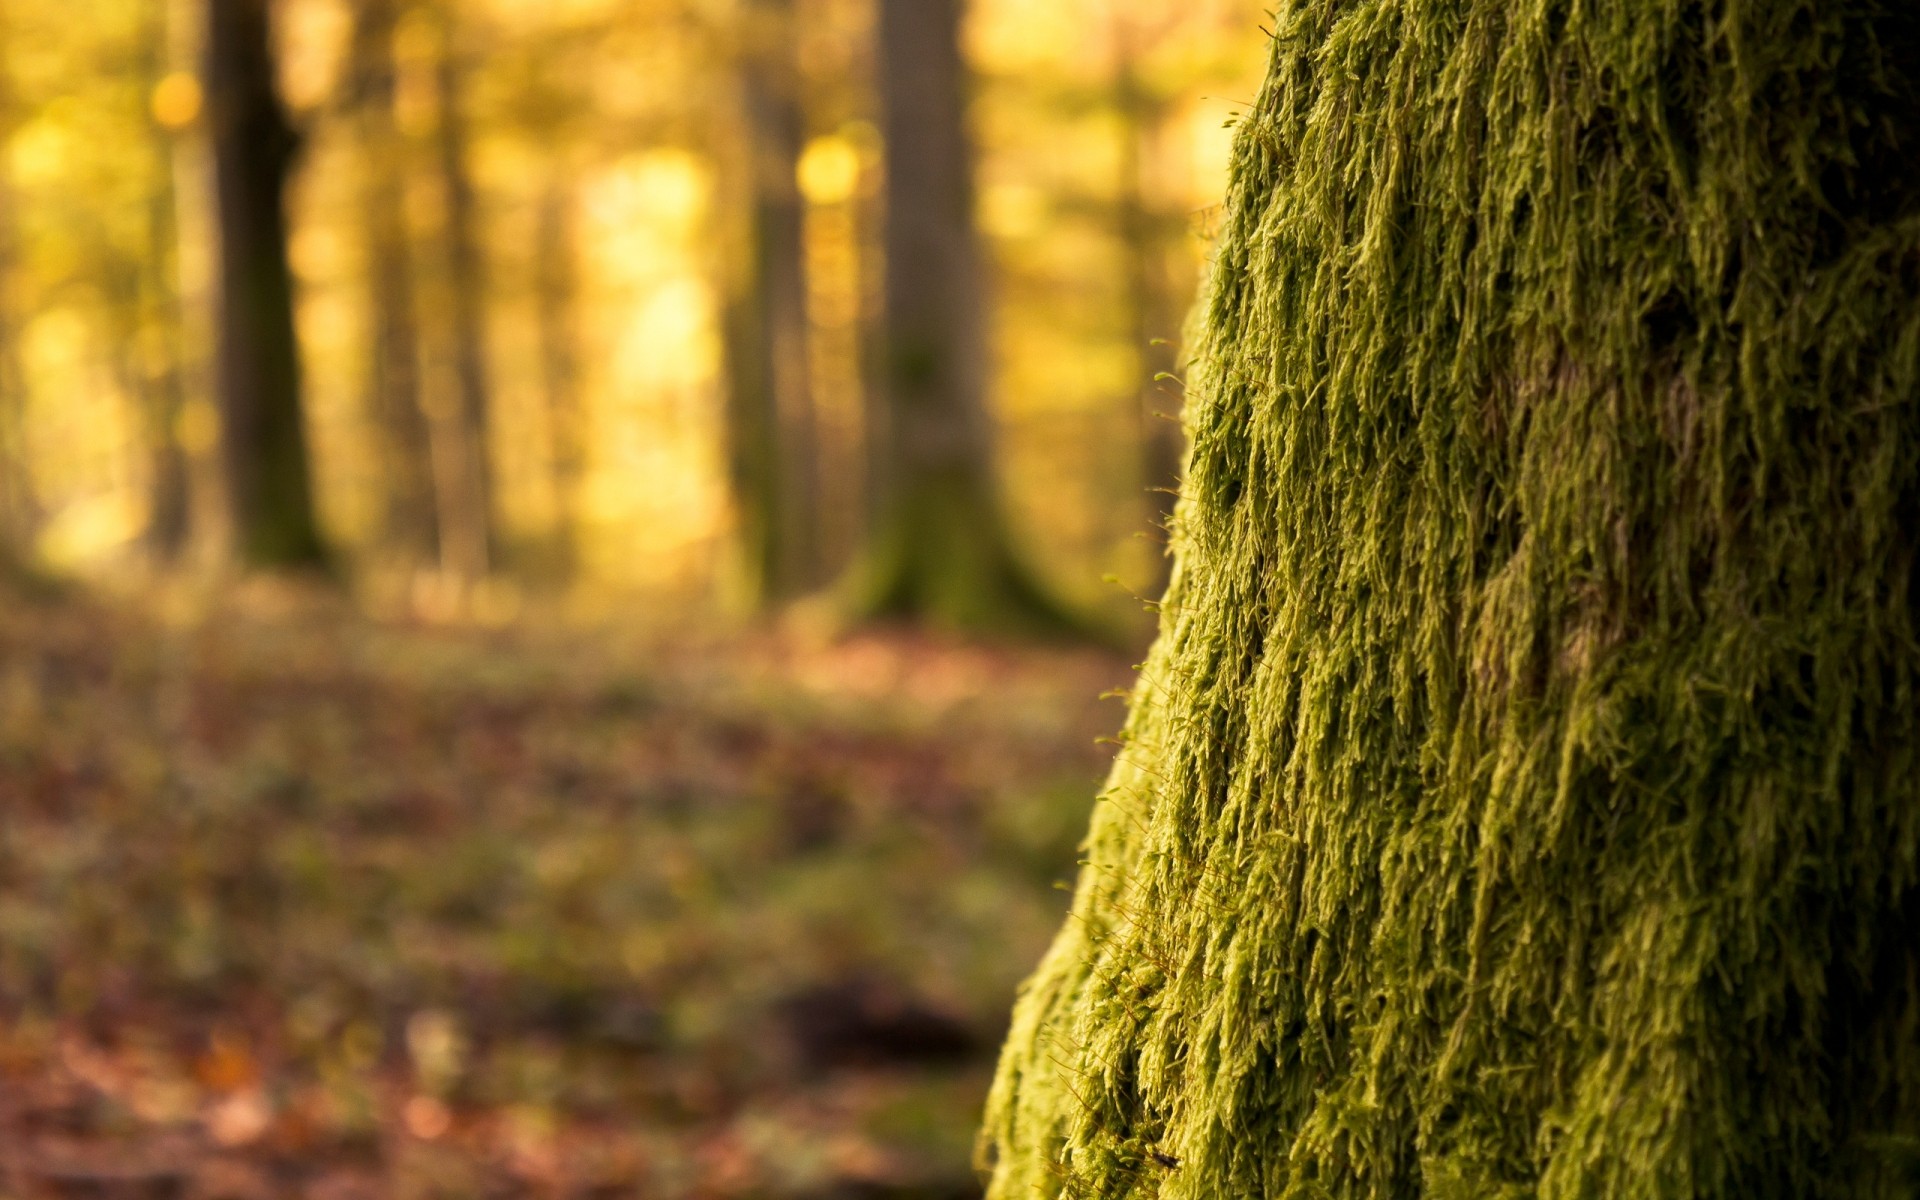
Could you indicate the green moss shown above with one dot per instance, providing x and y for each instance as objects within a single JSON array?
[
  {"x": 941, "y": 554},
  {"x": 1522, "y": 797}
]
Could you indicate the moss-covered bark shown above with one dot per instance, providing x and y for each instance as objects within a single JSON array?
[
  {"x": 1522, "y": 798},
  {"x": 939, "y": 555}
]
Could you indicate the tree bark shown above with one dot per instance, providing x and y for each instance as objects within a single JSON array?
[
  {"x": 773, "y": 444},
  {"x": 557, "y": 296},
  {"x": 169, "y": 483},
  {"x": 156, "y": 337},
  {"x": 1523, "y": 797},
  {"x": 938, "y": 549},
  {"x": 462, "y": 449},
  {"x": 19, "y": 503},
  {"x": 258, "y": 363},
  {"x": 410, "y": 519}
]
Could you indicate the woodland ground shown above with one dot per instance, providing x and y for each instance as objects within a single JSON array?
[{"x": 298, "y": 904}]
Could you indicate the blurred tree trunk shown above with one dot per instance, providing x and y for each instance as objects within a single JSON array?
[
  {"x": 163, "y": 386},
  {"x": 410, "y": 520},
  {"x": 557, "y": 295},
  {"x": 1153, "y": 310},
  {"x": 461, "y": 453},
  {"x": 258, "y": 363},
  {"x": 156, "y": 341},
  {"x": 937, "y": 550},
  {"x": 773, "y": 455},
  {"x": 19, "y": 505}
]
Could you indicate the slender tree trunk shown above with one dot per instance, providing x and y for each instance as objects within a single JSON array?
[
  {"x": 938, "y": 550},
  {"x": 773, "y": 442},
  {"x": 557, "y": 294},
  {"x": 19, "y": 504},
  {"x": 1523, "y": 797},
  {"x": 258, "y": 362},
  {"x": 158, "y": 338},
  {"x": 410, "y": 519},
  {"x": 146, "y": 363},
  {"x": 169, "y": 484},
  {"x": 462, "y": 449},
  {"x": 192, "y": 288},
  {"x": 1153, "y": 315}
]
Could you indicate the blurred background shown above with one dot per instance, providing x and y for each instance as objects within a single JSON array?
[{"x": 559, "y": 561}]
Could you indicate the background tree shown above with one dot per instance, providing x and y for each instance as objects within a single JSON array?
[
  {"x": 460, "y": 410},
  {"x": 1522, "y": 798},
  {"x": 144, "y": 297},
  {"x": 938, "y": 549},
  {"x": 19, "y": 506},
  {"x": 258, "y": 359},
  {"x": 772, "y": 454},
  {"x": 600, "y": 150},
  {"x": 409, "y": 518},
  {"x": 1150, "y": 236},
  {"x": 557, "y": 299}
]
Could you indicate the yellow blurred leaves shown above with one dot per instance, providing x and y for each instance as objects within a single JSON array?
[
  {"x": 177, "y": 100},
  {"x": 89, "y": 529},
  {"x": 1013, "y": 210},
  {"x": 43, "y": 147},
  {"x": 197, "y": 426},
  {"x": 416, "y": 46},
  {"x": 669, "y": 188},
  {"x": 313, "y": 40},
  {"x": 317, "y": 252},
  {"x": 829, "y": 171}
]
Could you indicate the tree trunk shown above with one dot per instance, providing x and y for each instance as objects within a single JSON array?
[
  {"x": 157, "y": 341},
  {"x": 773, "y": 448},
  {"x": 19, "y": 503},
  {"x": 1523, "y": 798},
  {"x": 410, "y": 520},
  {"x": 938, "y": 549},
  {"x": 1153, "y": 316},
  {"x": 557, "y": 295},
  {"x": 461, "y": 451},
  {"x": 258, "y": 363},
  {"x": 169, "y": 481}
]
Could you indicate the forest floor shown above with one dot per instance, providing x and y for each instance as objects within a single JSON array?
[{"x": 294, "y": 903}]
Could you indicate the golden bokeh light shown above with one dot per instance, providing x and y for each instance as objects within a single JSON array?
[
  {"x": 829, "y": 171},
  {"x": 177, "y": 100}
]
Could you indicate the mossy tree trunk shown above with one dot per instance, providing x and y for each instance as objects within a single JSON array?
[
  {"x": 410, "y": 520},
  {"x": 257, "y": 361},
  {"x": 1523, "y": 797},
  {"x": 773, "y": 451},
  {"x": 938, "y": 549}
]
